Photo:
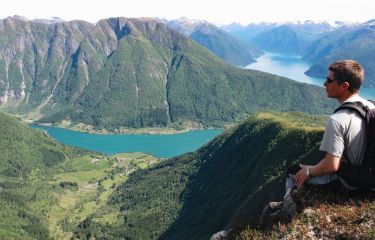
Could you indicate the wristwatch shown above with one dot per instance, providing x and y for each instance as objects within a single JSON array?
[{"x": 308, "y": 172}]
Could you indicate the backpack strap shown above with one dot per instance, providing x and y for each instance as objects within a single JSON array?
[
  {"x": 355, "y": 106},
  {"x": 359, "y": 108},
  {"x": 359, "y": 175}
]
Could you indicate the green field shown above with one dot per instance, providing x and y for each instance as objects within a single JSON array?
[{"x": 97, "y": 178}]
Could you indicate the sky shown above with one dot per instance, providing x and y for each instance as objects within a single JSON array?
[{"x": 214, "y": 11}]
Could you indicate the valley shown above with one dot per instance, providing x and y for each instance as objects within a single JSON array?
[{"x": 146, "y": 128}]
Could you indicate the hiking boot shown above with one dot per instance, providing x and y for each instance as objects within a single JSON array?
[
  {"x": 289, "y": 207},
  {"x": 270, "y": 208},
  {"x": 274, "y": 206}
]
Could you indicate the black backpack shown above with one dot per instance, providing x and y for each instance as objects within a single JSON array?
[{"x": 361, "y": 176}]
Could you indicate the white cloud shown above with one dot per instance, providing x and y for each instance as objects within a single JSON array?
[{"x": 225, "y": 11}]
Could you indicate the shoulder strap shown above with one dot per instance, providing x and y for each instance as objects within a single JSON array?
[{"x": 355, "y": 106}]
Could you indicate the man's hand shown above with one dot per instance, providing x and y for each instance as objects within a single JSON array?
[
  {"x": 301, "y": 176},
  {"x": 329, "y": 164}
]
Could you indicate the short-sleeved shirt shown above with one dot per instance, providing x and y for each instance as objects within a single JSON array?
[{"x": 345, "y": 131}]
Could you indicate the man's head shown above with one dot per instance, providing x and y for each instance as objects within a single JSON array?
[
  {"x": 348, "y": 71},
  {"x": 344, "y": 79}
]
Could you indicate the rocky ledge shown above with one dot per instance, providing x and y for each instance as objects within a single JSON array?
[{"x": 328, "y": 212}]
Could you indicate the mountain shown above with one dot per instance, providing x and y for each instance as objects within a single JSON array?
[
  {"x": 350, "y": 42},
  {"x": 27, "y": 157},
  {"x": 247, "y": 33},
  {"x": 133, "y": 73},
  {"x": 224, "y": 45},
  {"x": 227, "y": 181},
  {"x": 289, "y": 37}
]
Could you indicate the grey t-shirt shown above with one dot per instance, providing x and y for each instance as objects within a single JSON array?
[{"x": 346, "y": 131}]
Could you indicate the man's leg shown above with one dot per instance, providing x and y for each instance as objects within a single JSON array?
[{"x": 319, "y": 180}]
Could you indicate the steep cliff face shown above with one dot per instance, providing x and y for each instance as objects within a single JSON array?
[
  {"x": 226, "y": 182},
  {"x": 34, "y": 58},
  {"x": 132, "y": 73}
]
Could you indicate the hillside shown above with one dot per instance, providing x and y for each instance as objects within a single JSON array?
[
  {"x": 26, "y": 156},
  {"x": 26, "y": 151},
  {"x": 133, "y": 73},
  {"x": 355, "y": 42},
  {"x": 224, "y": 45},
  {"x": 47, "y": 189},
  {"x": 227, "y": 181}
]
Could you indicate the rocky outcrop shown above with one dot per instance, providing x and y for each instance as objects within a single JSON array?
[{"x": 325, "y": 212}]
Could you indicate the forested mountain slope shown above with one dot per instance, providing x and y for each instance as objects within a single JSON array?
[
  {"x": 132, "y": 73},
  {"x": 351, "y": 42},
  {"x": 27, "y": 157},
  {"x": 25, "y": 151},
  {"x": 227, "y": 181}
]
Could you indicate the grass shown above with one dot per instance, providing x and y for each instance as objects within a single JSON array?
[
  {"x": 72, "y": 207},
  {"x": 296, "y": 120},
  {"x": 88, "y": 163},
  {"x": 110, "y": 218},
  {"x": 82, "y": 177}
]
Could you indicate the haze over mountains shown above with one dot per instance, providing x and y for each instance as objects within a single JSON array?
[
  {"x": 355, "y": 42},
  {"x": 224, "y": 45},
  {"x": 319, "y": 43},
  {"x": 132, "y": 73}
]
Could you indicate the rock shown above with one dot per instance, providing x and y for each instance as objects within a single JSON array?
[
  {"x": 279, "y": 211},
  {"x": 220, "y": 235}
]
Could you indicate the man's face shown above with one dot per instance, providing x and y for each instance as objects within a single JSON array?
[{"x": 334, "y": 88}]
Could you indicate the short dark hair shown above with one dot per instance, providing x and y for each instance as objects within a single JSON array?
[{"x": 348, "y": 71}]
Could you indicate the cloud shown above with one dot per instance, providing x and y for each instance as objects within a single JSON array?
[{"x": 243, "y": 11}]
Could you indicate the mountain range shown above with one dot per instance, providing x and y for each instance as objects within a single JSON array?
[
  {"x": 348, "y": 42},
  {"x": 132, "y": 73},
  {"x": 224, "y": 45},
  {"x": 319, "y": 43},
  {"x": 139, "y": 72},
  {"x": 289, "y": 37}
]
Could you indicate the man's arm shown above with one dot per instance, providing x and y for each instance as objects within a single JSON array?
[{"x": 329, "y": 164}]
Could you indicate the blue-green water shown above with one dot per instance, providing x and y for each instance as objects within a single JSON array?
[
  {"x": 293, "y": 67},
  {"x": 166, "y": 145}
]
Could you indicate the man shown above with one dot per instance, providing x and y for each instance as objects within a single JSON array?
[
  {"x": 344, "y": 136},
  {"x": 343, "y": 140}
]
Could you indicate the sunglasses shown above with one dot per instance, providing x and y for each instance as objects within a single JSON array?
[{"x": 331, "y": 80}]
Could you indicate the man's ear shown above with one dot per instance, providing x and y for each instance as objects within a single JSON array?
[{"x": 345, "y": 85}]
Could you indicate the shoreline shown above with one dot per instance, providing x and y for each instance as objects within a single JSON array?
[{"x": 80, "y": 127}]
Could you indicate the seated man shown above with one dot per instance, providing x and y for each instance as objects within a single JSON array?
[
  {"x": 343, "y": 140},
  {"x": 344, "y": 136}
]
